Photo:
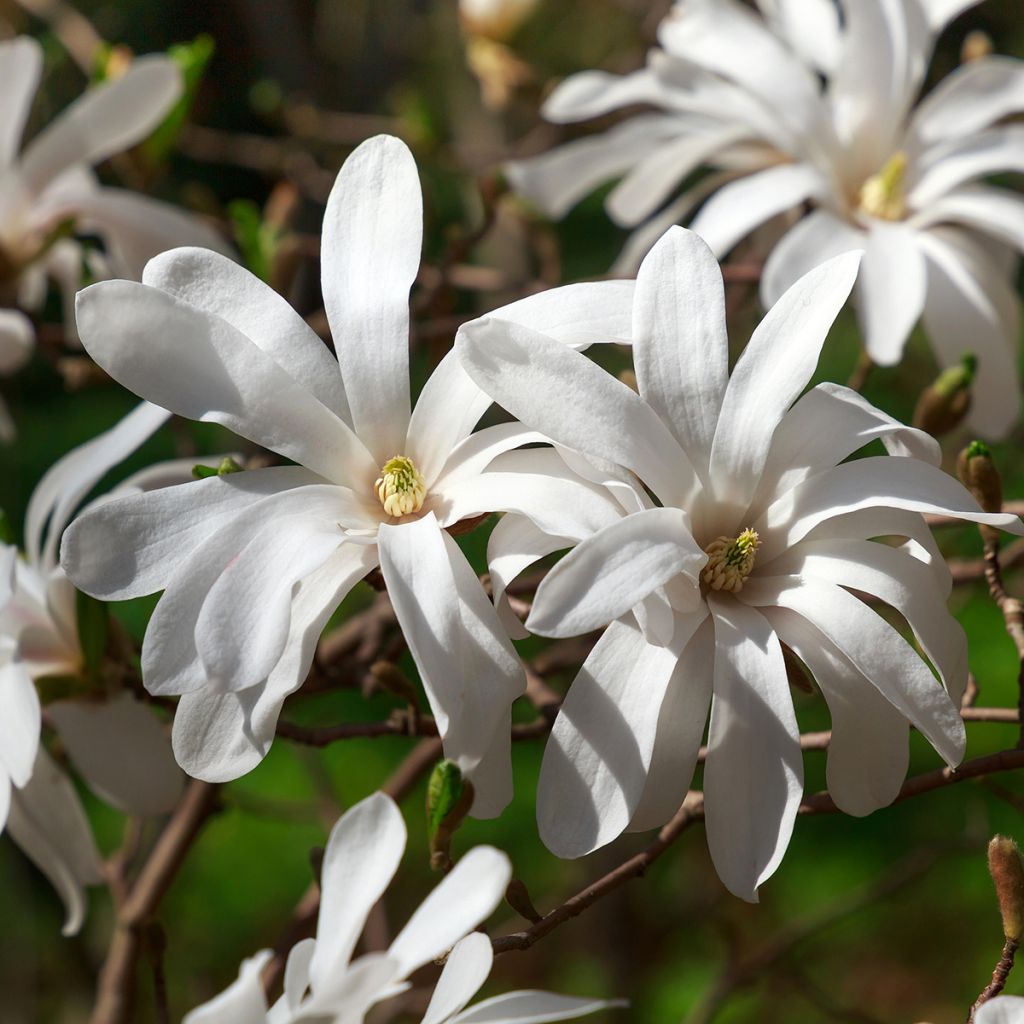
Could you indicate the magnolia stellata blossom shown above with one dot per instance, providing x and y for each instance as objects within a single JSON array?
[
  {"x": 760, "y": 534},
  {"x": 253, "y": 564},
  {"x": 1001, "y": 1010},
  {"x": 322, "y": 982},
  {"x": 116, "y": 744},
  {"x": 48, "y": 191},
  {"x": 792, "y": 112}
]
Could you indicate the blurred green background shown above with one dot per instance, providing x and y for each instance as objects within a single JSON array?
[{"x": 304, "y": 81}]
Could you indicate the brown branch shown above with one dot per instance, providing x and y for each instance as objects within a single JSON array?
[
  {"x": 116, "y": 990},
  {"x": 968, "y": 570},
  {"x": 999, "y": 978}
]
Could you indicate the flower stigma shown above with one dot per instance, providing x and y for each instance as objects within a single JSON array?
[
  {"x": 400, "y": 487},
  {"x": 882, "y": 194},
  {"x": 730, "y": 561}
]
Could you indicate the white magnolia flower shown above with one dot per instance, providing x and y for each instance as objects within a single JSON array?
[
  {"x": 323, "y": 983},
  {"x": 1001, "y": 1010},
  {"x": 760, "y": 534},
  {"x": 253, "y": 564},
  {"x": 496, "y": 19},
  {"x": 791, "y": 109},
  {"x": 48, "y": 190},
  {"x": 117, "y": 746}
]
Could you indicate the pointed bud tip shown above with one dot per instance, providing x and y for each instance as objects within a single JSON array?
[{"x": 1007, "y": 870}]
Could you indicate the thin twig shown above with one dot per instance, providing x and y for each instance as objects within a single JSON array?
[
  {"x": 999, "y": 977},
  {"x": 1013, "y": 616}
]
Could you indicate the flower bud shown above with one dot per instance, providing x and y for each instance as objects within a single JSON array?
[
  {"x": 977, "y": 44},
  {"x": 227, "y": 465},
  {"x": 1007, "y": 870},
  {"x": 978, "y": 473},
  {"x": 518, "y": 898},
  {"x": 449, "y": 798},
  {"x": 388, "y": 676},
  {"x": 944, "y": 403}
]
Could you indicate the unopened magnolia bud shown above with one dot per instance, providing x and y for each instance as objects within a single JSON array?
[
  {"x": 227, "y": 465},
  {"x": 977, "y": 44},
  {"x": 519, "y": 900},
  {"x": 944, "y": 404},
  {"x": 1007, "y": 870},
  {"x": 449, "y": 798},
  {"x": 978, "y": 473},
  {"x": 388, "y": 676}
]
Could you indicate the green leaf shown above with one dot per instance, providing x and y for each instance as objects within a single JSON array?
[
  {"x": 443, "y": 793},
  {"x": 93, "y": 628},
  {"x": 257, "y": 240}
]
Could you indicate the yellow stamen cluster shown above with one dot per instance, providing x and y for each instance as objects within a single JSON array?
[
  {"x": 730, "y": 561},
  {"x": 882, "y": 195},
  {"x": 400, "y": 487}
]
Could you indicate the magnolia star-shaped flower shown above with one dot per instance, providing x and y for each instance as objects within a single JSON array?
[
  {"x": 117, "y": 745},
  {"x": 761, "y": 533},
  {"x": 323, "y": 983},
  {"x": 48, "y": 191},
  {"x": 792, "y": 109},
  {"x": 253, "y": 564}
]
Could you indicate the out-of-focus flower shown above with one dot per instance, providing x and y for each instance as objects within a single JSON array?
[
  {"x": 322, "y": 982},
  {"x": 48, "y": 192},
  {"x": 117, "y": 745},
  {"x": 1001, "y": 1010},
  {"x": 762, "y": 533},
  {"x": 253, "y": 564},
  {"x": 494, "y": 19},
  {"x": 793, "y": 108}
]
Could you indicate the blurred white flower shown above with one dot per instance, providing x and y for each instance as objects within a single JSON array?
[
  {"x": 1001, "y": 1010},
  {"x": 253, "y": 564},
  {"x": 117, "y": 745},
  {"x": 762, "y": 532},
  {"x": 48, "y": 191},
  {"x": 495, "y": 19},
  {"x": 795, "y": 108},
  {"x": 322, "y": 982}
]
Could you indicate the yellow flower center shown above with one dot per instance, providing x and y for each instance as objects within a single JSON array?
[
  {"x": 730, "y": 561},
  {"x": 882, "y": 194},
  {"x": 400, "y": 487}
]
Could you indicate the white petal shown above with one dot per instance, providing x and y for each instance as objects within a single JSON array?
[
  {"x": 753, "y": 776},
  {"x": 463, "y": 899},
  {"x": 941, "y": 12},
  {"x": 20, "y": 718},
  {"x": 772, "y": 371},
  {"x": 372, "y": 236},
  {"x": 680, "y": 345},
  {"x": 242, "y": 1002},
  {"x": 813, "y": 240},
  {"x": 296, "y": 973},
  {"x": 531, "y": 1007},
  {"x": 122, "y": 751},
  {"x": 363, "y": 853},
  {"x": 465, "y": 970},
  {"x": 607, "y": 574},
  {"x": 811, "y": 27},
  {"x": 876, "y": 650},
  {"x": 827, "y": 424},
  {"x": 473, "y": 455},
  {"x": 866, "y": 483},
  {"x": 220, "y": 736},
  {"x": 579, "y": 315},
  {"x": 132, "y": 546},
  {"x": 47, "y": 821},
  {"x": 206, "y": 369},
  {"x": 1001, "y": 1010},
  {"x": 869, "y": 750},
  {"x": 993, "y": 211},
  {"x": 596, "y": 761},
  {"x": 105, "y": 120},
  {"x": 891, "y": 289},
  {"x": 593, "y": 93},
  {"x": 565, "y": 396},
  {"x": 954, "y": 163},
  {"x": 470, "y": 670},
  {"x": 21, "y": 62},
  {"x": 971, "y": 307},
  {"x": 352, "y": 992},
  {"x": 736, "y": 209},
  {"x": 684, "y": 713},
  {"x": 17, "y": 337},
  {"x": 71, "y": 478},
  {"x": 973, "y": 96},
  {"x": 217, "y": 285}
]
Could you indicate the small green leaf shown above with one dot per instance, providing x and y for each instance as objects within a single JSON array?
[
  {"x": 93, "y": 627},
  {"x": 227, "y": 465},
  {"x": 257, "y": 240},
  {"x": 443, "y": 793}
]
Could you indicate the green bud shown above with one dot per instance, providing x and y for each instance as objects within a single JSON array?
[
  {"x": 978, "y": 473},
  {"x": 227, "y": 465},
  {"x": 944, "y": 404},
  {"x": 1007, "y": 870},
  {"x": 449, "y": 798}
]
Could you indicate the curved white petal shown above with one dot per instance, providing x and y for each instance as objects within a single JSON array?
[
  {"x": 597, "y": 758},
  {"x": 532, "y": 1007},
  {"x": 607, "y": 574},
  {"x": 242, "y": 1002},
  {"x": 215, "y": 284},
  {"x": 21, "y": 63},
  {"x": 593, "y": 93},
  {"x": 951, "y": 164},
  {"x": 463, "y": 899},
  {"x": 1001, "y": 1010},
  {"x": 471, "y": 457},
  {"x": 370, "y": 255},
  {"x": 989, "y": 210},
  {"x": 206, "y": 369},
  {"x": 363, "y": 853},
  {"x": 17, "y": 337},
  {"x": 465, "y": 970},
  {"x": 122, "y": 751},
  {"x": 680, "y": 345},
  {"x": 772, "y": 371},
  {"x": 20, "y": 717}
]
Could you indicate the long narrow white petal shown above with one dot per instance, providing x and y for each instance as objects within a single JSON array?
[
  {"x": 465, "y": 970},
  {"x": 20, "y": 717},
  {"x": 532, "y": 1007},
  {"x": 607, "y": 574},
  {"x": 753, "y": 776},
  {"x": 372, "y": 237},
  {"x": 992, "y": 211},
  {"x": 242, "y": 1002},
  {"x": 951, "y": 164},
  {"x": 21, "y": 63}
]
